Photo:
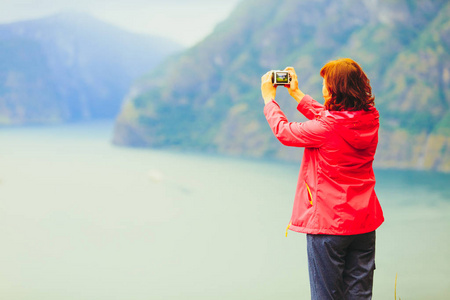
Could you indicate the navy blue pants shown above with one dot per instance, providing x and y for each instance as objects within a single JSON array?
[{"x": 341, "y": 266}]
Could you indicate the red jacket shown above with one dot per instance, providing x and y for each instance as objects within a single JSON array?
[{"x": 335, "y": 190}]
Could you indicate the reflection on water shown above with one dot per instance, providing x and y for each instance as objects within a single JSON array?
[{"x": 81, "y": 219}]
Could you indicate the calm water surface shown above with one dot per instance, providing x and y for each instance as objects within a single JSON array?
[{"x": 82, "y": 219}]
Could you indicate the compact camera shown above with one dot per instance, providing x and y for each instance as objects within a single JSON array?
[{"x": 281, "y": 77}]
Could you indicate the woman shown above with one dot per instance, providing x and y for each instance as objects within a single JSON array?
[{"x": 335, "y": 202}]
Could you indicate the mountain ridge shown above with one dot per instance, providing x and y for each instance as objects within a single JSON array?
[{"x": 70, "y": 67}]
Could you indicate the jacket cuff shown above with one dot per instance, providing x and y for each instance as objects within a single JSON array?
[
  {"x": 305, "y": 103},
  {"x": 270, "y": 105}
]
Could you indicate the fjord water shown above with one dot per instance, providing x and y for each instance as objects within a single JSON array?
[{"x": 82, "y": 219}]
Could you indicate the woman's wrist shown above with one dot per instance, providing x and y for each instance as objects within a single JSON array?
[
  {"x": 297, "y": 95},
  {"x": 268, "y": 99}
]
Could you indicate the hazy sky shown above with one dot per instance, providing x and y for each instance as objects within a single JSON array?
[{"x": 184, "y": 21}]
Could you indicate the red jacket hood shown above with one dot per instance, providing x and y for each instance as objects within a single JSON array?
[{"x": 357, "y": 128}]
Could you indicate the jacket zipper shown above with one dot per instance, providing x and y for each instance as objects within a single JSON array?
[
  {"x": 287, "y": 228},
  {"x": 310, "y": 202},
  {"x": 309, "y": 194}
]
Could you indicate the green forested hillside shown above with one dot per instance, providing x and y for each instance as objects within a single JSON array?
[{"x": 208, "y": 97}]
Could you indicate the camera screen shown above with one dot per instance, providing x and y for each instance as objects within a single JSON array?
[{"x": 282, "y": 77}]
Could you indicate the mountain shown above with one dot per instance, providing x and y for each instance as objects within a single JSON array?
[
  {"x": 208, "y": 97},
  {"x": 70, "y": 67}
]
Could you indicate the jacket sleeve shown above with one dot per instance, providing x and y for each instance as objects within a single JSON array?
[
  {"x": 309, "y": 134},
  {"x": 310, "y": 107}
]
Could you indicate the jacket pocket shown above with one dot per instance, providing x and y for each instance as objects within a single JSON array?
[{"x": 310, "y": 198}]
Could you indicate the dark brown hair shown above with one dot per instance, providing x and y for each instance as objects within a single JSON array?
[{"x": 348, "y": 86}]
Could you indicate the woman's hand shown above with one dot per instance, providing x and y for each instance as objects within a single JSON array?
[
  {"x": 268, "y": 91},
  {"x": 293, "y": 89}
]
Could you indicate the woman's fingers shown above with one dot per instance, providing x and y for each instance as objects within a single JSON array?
[
  {"x": 267, "y": 77},
  {"x": 268, "y": 91},
  {"x": 291, "y": 71}
]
